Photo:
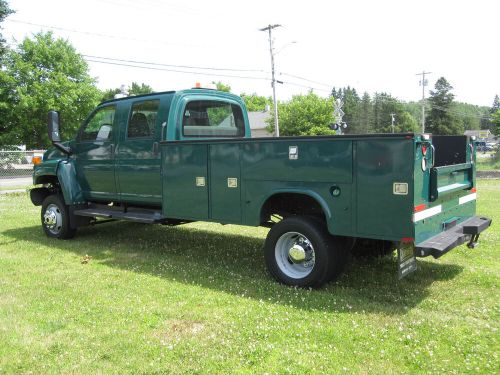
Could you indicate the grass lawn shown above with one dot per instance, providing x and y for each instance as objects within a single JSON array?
[
  {"x": 14, "y": 187},
  {"x": 486, "y": 162},
  {"x": 131, "y": 298}
]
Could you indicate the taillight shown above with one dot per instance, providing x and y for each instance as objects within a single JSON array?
[
  {"x": 407, "y": 240},
  {"x": 419, "y": 207},
  {"x": 473, "y": 190}
]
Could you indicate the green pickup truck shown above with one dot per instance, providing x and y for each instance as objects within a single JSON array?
[{"x": 177, "y": 157}]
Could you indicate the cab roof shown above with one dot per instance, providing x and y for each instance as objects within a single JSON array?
[{"x": 187, "y": 91}]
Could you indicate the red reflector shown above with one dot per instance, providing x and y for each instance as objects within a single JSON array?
[
  {"x": 418, "y": 208},
  {"x": 473, "y": 190},
  {"x": 424, "y": 150},
  {"x": 407, "y": 239}
]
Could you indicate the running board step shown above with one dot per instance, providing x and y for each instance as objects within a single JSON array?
[{"x": 141, "y": 217}]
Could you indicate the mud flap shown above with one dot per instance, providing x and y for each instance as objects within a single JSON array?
[{"x": 407, "y": 263}]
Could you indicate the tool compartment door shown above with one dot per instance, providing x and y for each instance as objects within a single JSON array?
[
  {"x": 185, "y": 181},
  {"x": 225, "y": 183},
  {"x": 382, "y": 210}
]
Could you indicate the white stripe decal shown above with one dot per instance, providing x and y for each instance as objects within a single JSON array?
[
  {"x": 467, "y": 198},
  {"x": 417, "y": 216}
]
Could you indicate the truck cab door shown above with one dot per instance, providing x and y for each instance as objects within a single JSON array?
[
  {"x": 94, "y": 154},
  {"x": 137, "y": 155}
]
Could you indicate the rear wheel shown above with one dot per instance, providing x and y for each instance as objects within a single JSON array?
[
  {"x": 55, "y": 218},
  {"x": 299, "y": 251}
]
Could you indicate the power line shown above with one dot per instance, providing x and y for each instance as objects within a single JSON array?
[
  {"x": 101, "y": 35},
  {"x": 175, "y": 70},
  {"x": 306, "y": 79},
  {"x": 304, "y": 86},
  {"x": 174, "y": 66},
  {"x": 478, "y": 116}
]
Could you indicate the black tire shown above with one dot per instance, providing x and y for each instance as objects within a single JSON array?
[
  {"x": 324, "y": 256},
  {"x": 55, "y": 218}
]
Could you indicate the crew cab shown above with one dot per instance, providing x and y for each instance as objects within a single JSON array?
[{"x": 177, "y": 157}]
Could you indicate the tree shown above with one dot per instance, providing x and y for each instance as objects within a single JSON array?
[
  {"x": 442, "y": 119},
  {"x": 365, "y": 115},
  {"x": 256, "y": 103},
  {"x": 134, "y": 89},
  {"x": 351, "y": 108},
  {"x": 495, "y": 119},
  {"x": 304, "y": 115},
  {"x": 43, "y": 74},
  {"x": 4, "y": 12},
  {"x": 496, "y": 105},
  {"x": 221, "y": 86}
]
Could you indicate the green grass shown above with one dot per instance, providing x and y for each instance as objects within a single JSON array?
[
  {"x": 487, "y": 163},
  {"x": 15, "y": 187},
  {"x": 197, "y": 299}
]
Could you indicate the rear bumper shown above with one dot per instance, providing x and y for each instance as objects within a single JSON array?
[{"x": 466, "y": 231}]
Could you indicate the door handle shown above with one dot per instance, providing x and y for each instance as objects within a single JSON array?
[{"x": 155, "y": 148}]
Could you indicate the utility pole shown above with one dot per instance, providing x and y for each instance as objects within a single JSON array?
[
  {"x": 392, "y": 121},
  {"x": 423, "y": 83},
  {"x": 273, "y": 80}
]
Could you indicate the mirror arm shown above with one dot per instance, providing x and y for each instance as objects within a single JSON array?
[{"x": 62, "y": 148}]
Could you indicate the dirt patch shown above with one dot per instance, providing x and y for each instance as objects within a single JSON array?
[{"x": 178, "y": 329}]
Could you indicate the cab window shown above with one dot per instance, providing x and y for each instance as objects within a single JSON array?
[
  {"x": 203, "y": 118},
  {"x": 142, "y": 120},
  {"x": 100, "y": 126}
]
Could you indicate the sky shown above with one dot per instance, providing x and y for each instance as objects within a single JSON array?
[{"x": 373, "y": 46}]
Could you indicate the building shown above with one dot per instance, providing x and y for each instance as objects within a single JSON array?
[
  {"x": 258, "y": 124},
  {"x": 483, "y": 135}
]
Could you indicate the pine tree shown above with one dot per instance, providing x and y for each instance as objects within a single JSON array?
[
  {"x": 365, "y": 114},
  {"x": 496, "y": 104},
  {"x": 441, "y": 119}
]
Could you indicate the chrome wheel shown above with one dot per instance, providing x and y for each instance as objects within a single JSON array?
[
  {"x": 52, "y": 219},
  {"x": 294, "y": 255}
]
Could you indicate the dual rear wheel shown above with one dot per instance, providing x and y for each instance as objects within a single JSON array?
[{"x": 299, "y": 251}]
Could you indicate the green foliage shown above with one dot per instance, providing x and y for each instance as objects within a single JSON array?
[
  {"x": 256, "y": 103},
  {"x": 109, "y": 94},
  {"x": 4, "y": 12},
  {"x": 134, "y": 89},
  {"x": 222, "y": 86},
  {"x": 367, "y": 115},
  {"x": 304, "y": 115},
  {"x": 496, "y": 104},
  {"x": 43, "y": 74},
  {"x": 495, "y": 119},
  {"x": 495, "y": 129},
  {"x": 351, "y": 108},
  {"x": 442, "y": 118}
]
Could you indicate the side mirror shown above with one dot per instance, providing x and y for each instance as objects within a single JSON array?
[
  {"x": 53, "y": 129},
  {"x": 53, "y": 126}
]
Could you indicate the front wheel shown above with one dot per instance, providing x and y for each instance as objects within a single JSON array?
[
  {"x": 55, "y": 218},
  {"x": 299, "y": 251}
]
